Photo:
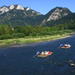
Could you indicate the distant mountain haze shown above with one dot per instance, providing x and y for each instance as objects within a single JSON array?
[{"x": 19, "y": 15}]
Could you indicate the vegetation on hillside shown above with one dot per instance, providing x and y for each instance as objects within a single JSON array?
[
  {"x": 9, "y": 32},
  {"x": 10, "y": 35}
]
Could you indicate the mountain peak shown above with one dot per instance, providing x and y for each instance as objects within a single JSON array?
[
  {"x": 27, "y": 9},
  {"x": 19, "y": 7},
  {"x": 11, "y": 7},
  {"x": 3, "y": 9},
  {"x": 58, "y": 13}
]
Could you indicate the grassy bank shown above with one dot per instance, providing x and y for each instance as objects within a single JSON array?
[{"x": 30, "y": 39}]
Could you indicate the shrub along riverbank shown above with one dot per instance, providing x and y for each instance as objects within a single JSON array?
[
  {"x": 31, "y": 39},
  {"x": 28, "y": 34}
]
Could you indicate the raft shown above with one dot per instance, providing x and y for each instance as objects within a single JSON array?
[
  {"x": 45, "y": 54},
  {"x": 65, "y": 46}
]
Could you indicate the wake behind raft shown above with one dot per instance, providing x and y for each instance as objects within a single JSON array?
[{"x": 44, "y": 54}]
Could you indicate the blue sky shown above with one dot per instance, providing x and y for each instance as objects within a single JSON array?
[{"x": 43, "y": 6}]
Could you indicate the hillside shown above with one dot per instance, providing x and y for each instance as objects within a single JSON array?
[{"x": 18, "y": 15}]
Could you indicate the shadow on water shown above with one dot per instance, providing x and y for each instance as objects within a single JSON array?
[{"x": 22, "y": 60}]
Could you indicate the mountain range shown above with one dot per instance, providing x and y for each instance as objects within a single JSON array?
[{"x": 19, "y": 15}]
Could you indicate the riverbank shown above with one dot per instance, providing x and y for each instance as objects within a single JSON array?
[{"x": 27, "y": 40}]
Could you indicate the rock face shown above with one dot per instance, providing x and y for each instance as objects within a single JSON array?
[
  {"x": 26, "y": 10},
  {"x": 19, "y": 7},
  {"x": 58, "y": 13},
  {"x": 11, "y": 7},
  {"x": 3, "y": 10}
]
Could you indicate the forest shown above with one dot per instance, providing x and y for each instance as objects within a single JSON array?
[{"x": 9, "y": 31}]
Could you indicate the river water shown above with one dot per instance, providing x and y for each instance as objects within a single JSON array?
[{"x": 21, "y": 60}]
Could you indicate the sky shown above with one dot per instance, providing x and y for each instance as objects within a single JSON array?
[{"x": 42, "y": 6}]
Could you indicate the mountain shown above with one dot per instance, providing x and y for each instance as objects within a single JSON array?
[
  {"x": 56, "y": 14},
  {"x": 67, "y": 20},
  {"x": 19, "y": 15},
  {"x": 16, "y": 8}
]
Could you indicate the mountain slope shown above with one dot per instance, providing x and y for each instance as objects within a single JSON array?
[
  {"x": 19, "y": 15},
  {"x": 56, "y": 14}
]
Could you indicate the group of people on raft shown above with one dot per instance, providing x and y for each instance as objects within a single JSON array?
[
  {"x": 65, "y": 46},
  {"x": 47, "y": 53}
]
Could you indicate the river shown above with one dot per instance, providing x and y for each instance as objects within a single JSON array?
[{"x": 21, "y": 60}]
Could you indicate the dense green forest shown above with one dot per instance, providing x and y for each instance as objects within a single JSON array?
[{"x": 8, "y": 31}]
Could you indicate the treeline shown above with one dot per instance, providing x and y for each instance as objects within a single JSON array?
[{"x": 8, "y": 31}]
